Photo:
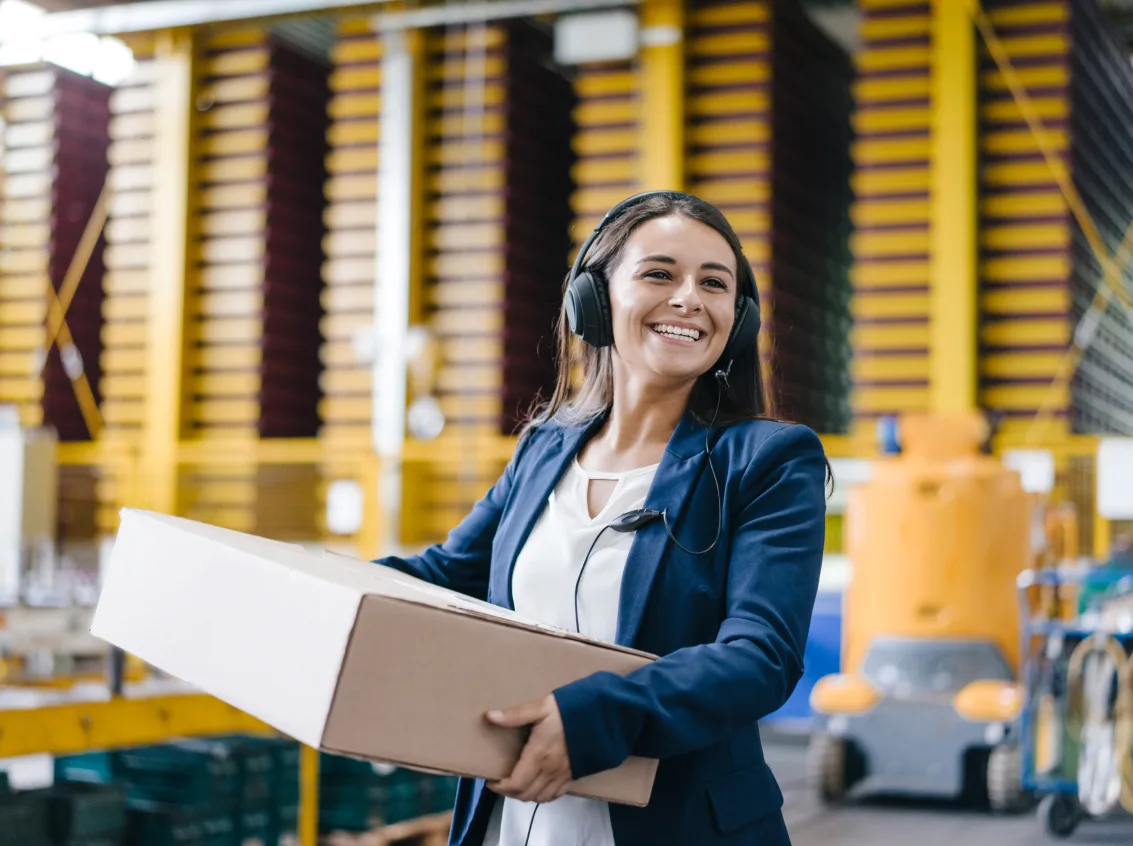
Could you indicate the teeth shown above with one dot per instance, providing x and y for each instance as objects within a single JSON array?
[{"x": 676, "y": 331}]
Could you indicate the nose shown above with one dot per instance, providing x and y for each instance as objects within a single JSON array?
[{"x": 686, "y": 297}]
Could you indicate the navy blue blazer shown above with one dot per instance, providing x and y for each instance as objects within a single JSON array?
[{"x": 729, "y": 626}]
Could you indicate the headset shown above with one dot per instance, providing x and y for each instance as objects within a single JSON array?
[{"x": 587, "y": 298}]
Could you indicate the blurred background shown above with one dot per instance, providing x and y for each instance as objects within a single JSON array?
[{"x": 293, "y": 267}]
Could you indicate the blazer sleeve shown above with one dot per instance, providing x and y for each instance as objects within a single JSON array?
[
  {"x": 463, "y": 562},
  {"x": 697, "y": 696}
]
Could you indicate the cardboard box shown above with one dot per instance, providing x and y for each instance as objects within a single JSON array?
[{"x": 345, "y": 655}]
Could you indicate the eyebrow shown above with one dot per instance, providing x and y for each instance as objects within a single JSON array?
[{"x": 708, "y": 265}]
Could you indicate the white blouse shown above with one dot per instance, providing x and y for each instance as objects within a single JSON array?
[{"x": 543, "y": 589}]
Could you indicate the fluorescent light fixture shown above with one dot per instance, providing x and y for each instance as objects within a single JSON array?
[
  {"x": 106, "y": 59},
  {"x": 14, "y": 16},
  {"x": 75, "y": 52},
  {"x": 115, "y": 61}
]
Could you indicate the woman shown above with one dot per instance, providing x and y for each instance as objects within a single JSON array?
[{"x": 713, "y": 562}]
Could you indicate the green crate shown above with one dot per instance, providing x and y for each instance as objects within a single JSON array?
[
  {"x": 255, "y": 763},
  {"x": 81, "y": 811},
  {"x": 24, "y": 819},
  {"x": 401, "y": 794},
  {"x": 341, "y": 765},
  {"x": 256, "y": 824},
  {"x": 345, "y": 804},
  {"x": 157, "y": 824},
  {"x": 285, "y": 826},
  {"x": 443, "y": 793},
  {"x": 95, "y": 767},
  {"x": 178, "y": 776}
]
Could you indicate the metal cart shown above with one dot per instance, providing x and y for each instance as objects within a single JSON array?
[{"x": 1054, "y": 676}]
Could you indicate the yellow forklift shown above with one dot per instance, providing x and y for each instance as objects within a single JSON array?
[{"x": 927, "y": 697}]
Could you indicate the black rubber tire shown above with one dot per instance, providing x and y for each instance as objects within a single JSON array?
[
  {"x": 831, "y": 767},
  {"x": 1059, "y": 815},
  {"x": 1005, "y": 780}
]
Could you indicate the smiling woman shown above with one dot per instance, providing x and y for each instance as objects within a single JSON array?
[{"x": 716, "y": 526}]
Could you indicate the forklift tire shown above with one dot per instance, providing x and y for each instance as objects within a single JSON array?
[
  {"x": 1059, "y": 815},
  {"x": 833, "y": 767},
  {"x": 1005, "y": 780}
]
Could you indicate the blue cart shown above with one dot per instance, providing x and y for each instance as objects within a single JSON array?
[{"x": 1063, "y": 754}]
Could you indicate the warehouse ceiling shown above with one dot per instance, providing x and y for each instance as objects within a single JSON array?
[{"x": 837, "y": 17}]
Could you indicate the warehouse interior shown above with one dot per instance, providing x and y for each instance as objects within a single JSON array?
[{"x": 292, "y": 268}]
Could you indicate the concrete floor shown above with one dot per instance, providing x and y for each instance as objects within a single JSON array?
[{"x": 903, "y": 823}]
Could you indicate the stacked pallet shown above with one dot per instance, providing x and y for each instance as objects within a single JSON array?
[
  {"x": 350, "y": 246},
  {"x": 1038, "y": 270},
  {"x": 890, "y": 276},
  {"x": 351, "y": 238},
  {"x": 1025, "y": 225},
  {"x": 254, "y": 287},
  {"x": 54, "y": 167},
  {"x": 728, "y": 160},
  {"x": 537, "y": 113},
  {"x": 810, "y": 226},
  {"x": 465, "y": 216},
  {"x": 768, "y": 114},
  {"x": 466, "y": 253},
  {"x": 606, "y": 119},
  {"x": 1101, "y": 99},
  {"x": 129, "y": 238}
]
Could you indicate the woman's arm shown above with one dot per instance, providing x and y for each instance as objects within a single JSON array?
[
  {"x": 695, "y": 697},
  {"x": 463, "y": 562}
]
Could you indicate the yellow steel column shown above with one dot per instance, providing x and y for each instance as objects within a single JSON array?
[
  {"x": 166, "y": 338},
  {"x": 308, "y": 796},
  {"x": 661, "y": 143},
  {"x": 953, "y": 266}
]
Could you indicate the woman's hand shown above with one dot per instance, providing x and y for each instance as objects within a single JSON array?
[{"x": 543, "y": 770}]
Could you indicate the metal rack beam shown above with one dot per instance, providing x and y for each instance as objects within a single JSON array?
[{"x": 117, "y": 723}]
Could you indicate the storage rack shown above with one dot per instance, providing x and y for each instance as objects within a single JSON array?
[
  {"x": 1026, "y": 238},
  {"x": 811, "y": 102},
  {"x": 891, "y": 212},
  {"x": 126, "y": 283},
  {"x": 55, "y": 163},
  {"x": 1101, "y": 123}
]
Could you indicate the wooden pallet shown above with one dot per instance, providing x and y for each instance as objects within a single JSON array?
[{"x": 424, "y": 831}]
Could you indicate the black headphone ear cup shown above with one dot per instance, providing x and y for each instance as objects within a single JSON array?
[
  {"x": 588, "y": 309},
  {"x": 745, "y": 330}
]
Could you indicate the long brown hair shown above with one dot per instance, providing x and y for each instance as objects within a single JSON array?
[{"x": 746, "y": 400}]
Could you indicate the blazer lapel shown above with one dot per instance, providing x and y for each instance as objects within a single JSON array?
[
  {"x": 682, "y": 463},
  {"x": 529, "y": 503}
]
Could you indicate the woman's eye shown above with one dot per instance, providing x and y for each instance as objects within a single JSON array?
[
  {"x": 657, "y": 274},
  {"x": 716, "y": 283}
]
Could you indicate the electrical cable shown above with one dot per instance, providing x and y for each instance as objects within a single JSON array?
[
  {"x": 1099, "y": 729},
  {"x": 633, "y": 520}
]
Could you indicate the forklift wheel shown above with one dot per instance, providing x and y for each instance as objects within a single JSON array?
[
  {"x": 1059, "y": 815},
  {"x": 832, "y": 767},
  {"x": 1005, "y": 780}
]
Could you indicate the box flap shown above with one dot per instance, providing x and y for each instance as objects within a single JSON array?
[
  {"x": 219, "y": 608},
  {"x": 385, "y": 581}
]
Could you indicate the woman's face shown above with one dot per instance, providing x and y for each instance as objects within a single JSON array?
[{"x": 673, "y": 299}]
